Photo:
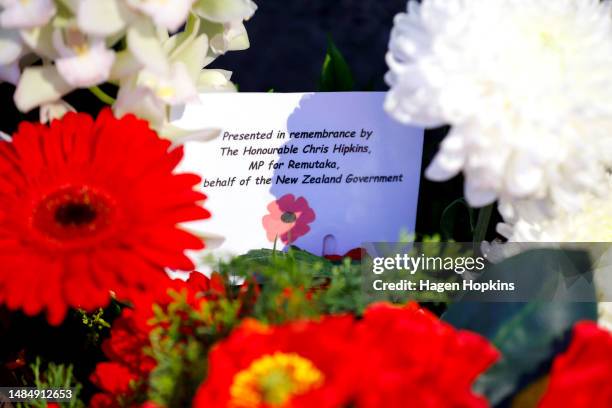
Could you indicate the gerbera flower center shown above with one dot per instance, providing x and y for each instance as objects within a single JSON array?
[
  {"x": 288, "y": 217},
  {"x": 73, "y": 213},
  {"x": 273, "y": 380}
]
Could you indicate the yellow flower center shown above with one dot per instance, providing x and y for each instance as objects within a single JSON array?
[
  {"x": 273, "y": 380},
  {"x": 165, "y": 92}
]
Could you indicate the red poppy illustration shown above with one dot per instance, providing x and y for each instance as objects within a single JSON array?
[{"x": 289, "y": 219}]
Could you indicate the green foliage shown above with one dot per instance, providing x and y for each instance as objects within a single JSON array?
[
  {"x": 180, "y": 343},
  {"x": 55, "y": 376},
  {"x": 288, "y": 282},
  {"x": 344, "y": 293},
  {"x": 336, "y": 75},
  {"x": 450, "y": 215},
  {"x": 95, "y": 323}
]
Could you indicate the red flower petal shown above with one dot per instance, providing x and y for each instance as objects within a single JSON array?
[{"x": 88, "y": 207}]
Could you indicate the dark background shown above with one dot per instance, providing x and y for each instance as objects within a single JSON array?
[{"x": 289, "y": 38}]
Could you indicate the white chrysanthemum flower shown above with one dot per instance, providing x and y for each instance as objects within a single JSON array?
[
  {"x": 526, "y": 86},
  {"x": 83, "y": 62},
  {"x": 591, "y": 224}
]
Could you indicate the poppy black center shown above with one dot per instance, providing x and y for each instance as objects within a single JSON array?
[
  {"x": 75, "y": 214},
  {"x": 288, "y": 217}
]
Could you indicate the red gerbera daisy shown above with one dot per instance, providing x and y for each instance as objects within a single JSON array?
[{"x": 87, "y": 207}]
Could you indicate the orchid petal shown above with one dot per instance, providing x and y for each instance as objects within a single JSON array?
[
  {"x": 103, "y": 17},
  {"x": 215, "y": 80},
  {"x": 28, "y": 14},
  {"x": 39, "y": 85},
  {"x": 237, "y": 37},
  {"x": 193, "y": 56},
  {"x": 144, "y": 44},
  {"x": 85, "y": 63},
  {"x": 179, "y": 136},
  {"x": 125, "y": 65},
  {"x": 175, "y": 88},
  {"x": 140, "y": 102},
  {"x": 225, "y": 11},
  {"x": 167, "y": 14},
  {"x": 10, "y": 46},
  {"x": 10, "y": 73},
  {"x": 54, "y": 110},
  {"x": 226, "y": 37},
  {"x": 40, "y": 40}
]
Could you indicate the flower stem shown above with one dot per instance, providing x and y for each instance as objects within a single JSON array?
[
  {"x": 101, "y": 95},
  {"x": 482, "y": 224}
]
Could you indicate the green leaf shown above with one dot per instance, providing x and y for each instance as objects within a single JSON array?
[
  {"x": 336, "y": 75},
  {"x": 269, "y": 257},
  {"x": 54, "y": 376},
  {"x": 528, "y": 334},
  {"x": 449, "y": 217}
]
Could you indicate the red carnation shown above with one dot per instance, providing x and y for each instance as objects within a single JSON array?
[
  {"x": 87, "y": 207},
  {"x": 129, "y": 338},
  {"x": 410, "y": 355},
  {"x": 301, "y": 364},
  {"x": 580, "y": 377},
  {"x": 393, "y": 357}
]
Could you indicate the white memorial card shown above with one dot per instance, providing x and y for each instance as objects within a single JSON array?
[{"x": 322, "y": 171}]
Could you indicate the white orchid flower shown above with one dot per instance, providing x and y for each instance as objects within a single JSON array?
[
  {"x": 168, "y": 14},
  {"x": 26, "y": 13},
  {"x": 215, "y": 80},
  {"x": 175, "y": 88},
  {"x": 80, "y": 62},
  {"x": 225, "y": 11},
  {"x": 157, "y": 73},
  {"x": 11, "y": 49},
  {"x": 141, "y": 102},
  {"x": 83, "y": 62},
  {"x": 54, "y": 110},
  {"x": 148, "y": 95},
  {"x": 39, "y": 85},
  {"x": 11, "y": 46},
  {"x": 226, "y": 37},
  {"x": 144, "y": 103},
  {"x": 103, "y": 18},
  {"x": 5, "y": 137}
]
